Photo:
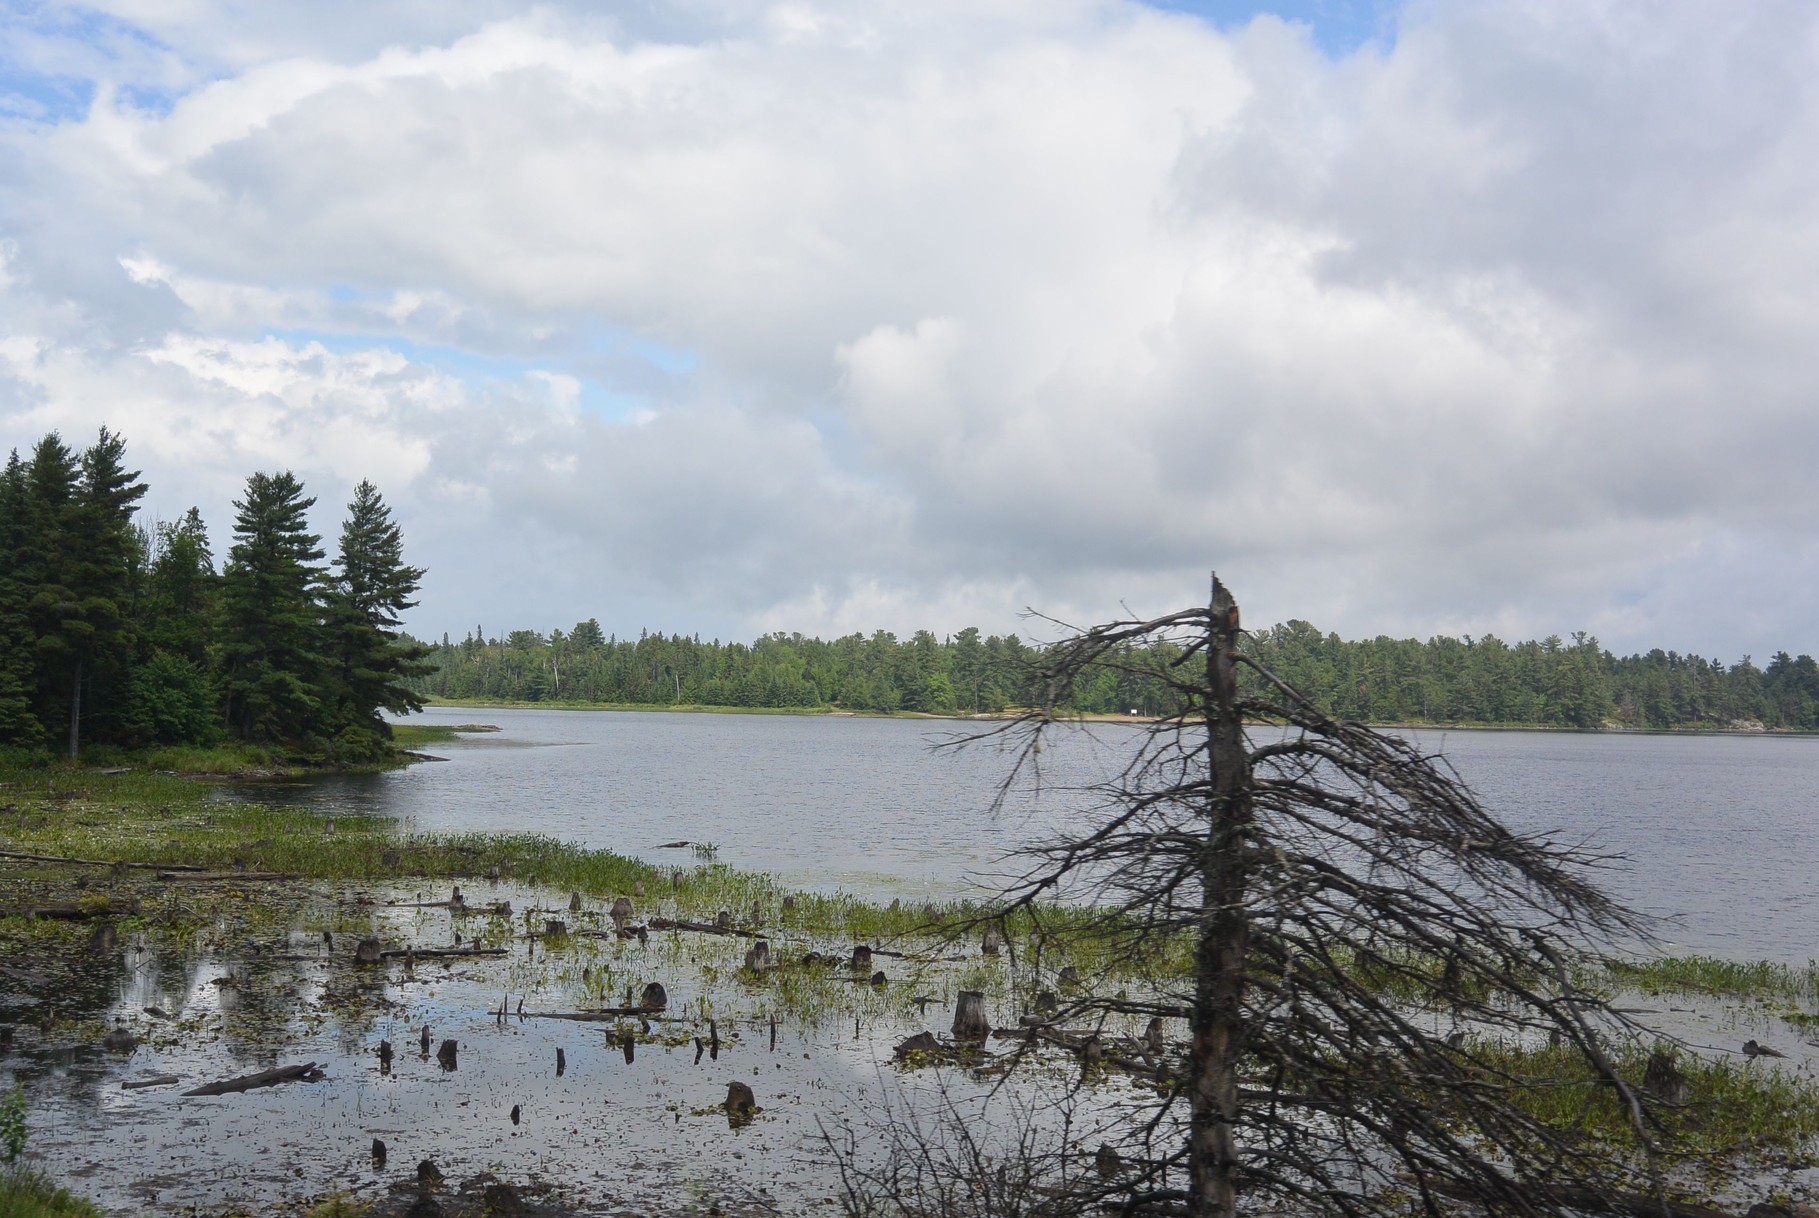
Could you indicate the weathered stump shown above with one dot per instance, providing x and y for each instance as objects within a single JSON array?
[
  {"x": 789, "y": 904},
  {"x": 1106, "y": 1162},
  {"x": 574, "y": 902},
  {"x": 757, "y": 913},
  {"x": 759, "y": 957},
  {"x": 104, "y": 939},
  {"x": 517, "y": 1113},
  {"x": 621, "y": 911},
  {"x": 655, "y": 997},
  {"x": 385, "y": 1056},
  {"x": 992, "y": 941},
  {"x": 1047, "y": 1003},
  {"x": 367, "y": 951},
  {"x": 1068, "y": 978},
  {"x": 723, "y": 920},
  {"x": 1663, "y": 1079},
  {"x": 554, "y": 928},
  {"x": 878, "y": 978},
  {"x": 920, "y": 1043},
  {"x": 970, "y": 1023},
  {"x": 1152, "y": 1035},
  {"x": 740, "y": 1101},
  {"x": 378, "y": 1152},
  {"x": 446, "y": 1053},
  {"x": 862, "y": 959},
  {"x": 638, "y": 888},
  {"x": 423, "y": 1041},
  {"x": 561, "y": 1062}
]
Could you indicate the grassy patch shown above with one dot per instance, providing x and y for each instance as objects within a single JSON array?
[
  {"x": 1747, "y": 979},
  {"x": 29, "y": 1195}
]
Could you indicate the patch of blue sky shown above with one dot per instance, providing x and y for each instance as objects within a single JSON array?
[
  {"x": 1339, "y": 27},
  {"x": 52, "y": 57},
  {"x": 482, "y": 371}
]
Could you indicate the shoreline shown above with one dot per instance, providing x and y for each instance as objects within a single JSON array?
[{"x": 835, "y": 712}]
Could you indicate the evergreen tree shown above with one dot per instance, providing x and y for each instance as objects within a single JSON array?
[
  {"x": 174, "y": 695},
  {"x": 102, "y": 555},
  {"x": 372, "y": 661},
  {"x": 17, "y": 676},
  {"x": 271, "y": 629}
]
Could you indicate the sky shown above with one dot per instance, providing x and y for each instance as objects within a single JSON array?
[{"x": 728, "y": 316}]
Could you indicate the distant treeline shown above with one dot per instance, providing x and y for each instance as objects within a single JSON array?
[
  {"x": 1549, "y": 683},
  {"x": 119, "y": 633}
]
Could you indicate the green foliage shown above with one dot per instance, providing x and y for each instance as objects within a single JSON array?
[
  {"x": 12, "y": 1124},
  {"x": 30, "y": 1195},
  {"x": 119, "y": 635}
]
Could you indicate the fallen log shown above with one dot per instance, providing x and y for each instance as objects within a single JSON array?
[
  {"x": 218, "y": 877},
  {"x": 76, "y": 862},
  {"x": 706, "y": 928},
  {"x": 306, "y": 1073},
  {"x": 161, "y": 1080},
  {"x": 75, "y": 911},
  {"x": 600, "y": 1016},
  {"x": 430, "y": 953},
  {"x": 1590, "y": 1201}
]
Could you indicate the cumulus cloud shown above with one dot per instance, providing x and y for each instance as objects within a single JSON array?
[{"x": 827, "y": 317}]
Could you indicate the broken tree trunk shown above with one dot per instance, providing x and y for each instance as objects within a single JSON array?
[
  {"x": 76, "y": 862},
  {"x": 305, "y": 1073},
  {"x": 970, "y": 1023}
]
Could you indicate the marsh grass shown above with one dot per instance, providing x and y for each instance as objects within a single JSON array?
[
  {"x": 1737, "y": 1114},
  {"x": 28, "y": 1194},
  {"x": 1764, "y": 980}
]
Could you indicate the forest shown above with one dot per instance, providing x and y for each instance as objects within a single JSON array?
[
  {"x": 123, "y": 634},
  {"x": 1547, "y": 683}
]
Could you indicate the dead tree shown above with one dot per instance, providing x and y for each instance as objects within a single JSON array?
[{"x": 1348, "y": 899}]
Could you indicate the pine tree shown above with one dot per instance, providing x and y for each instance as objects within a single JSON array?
[
  {"x": 17, "y": 676},
  {"x": 272, "y": 629},
  {"x": 174, "y": 695},
  {"x": 102, "y": 555},
  {"x": 372, "y": 659}
]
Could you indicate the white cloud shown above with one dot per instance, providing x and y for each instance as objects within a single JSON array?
[{"x": 1505, "y": 327}]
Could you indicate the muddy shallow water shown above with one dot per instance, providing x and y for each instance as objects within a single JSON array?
[{"x": 617, "y": 1136}]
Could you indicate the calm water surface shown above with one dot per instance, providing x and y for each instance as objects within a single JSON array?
[{"x": 1718, "y": 832}]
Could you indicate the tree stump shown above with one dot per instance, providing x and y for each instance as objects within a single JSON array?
[
  {"x": 1663, "y": 1079},
  {"x": 757, "y": 913},
  {"x": 423, "y": 1040},
  {"x": 1152, "y": 1035},
  {"x": 739, "y": 1099},
  {"x": 1068, "y": 978},
  {"x": 385, "y": 1056},
  {"x": 759, "y": 957},
  {"x": 104, "y": 939},
  {"x": 789, "y": 904},
  {"x": 367, "y": 951},
  {"x": 445, "y": 1054},
  {"x": 991, "y": 941},
  {"x": 638, "y": 888},
  {"x": 628, "y": 1046},
  {"x": 970, "y": 1023},
  {"x": 378, "y": 1152},
  {"x": 621, "y": 912},
  {"x": 920, "y": 1043},
  {"x": 1047, "y": 1003},
  {"x": 655, "y": 997},
  {"x": 554, "y": 928},
  {"x": 723, "y": 920},
  {"x": 574, "y": 902},
  {"x": 561, "y": 1062},
  {"x": 1106, "y": 1162},
  {"x": 878, "y": 978},
  {"x": 862, "y": 959}
]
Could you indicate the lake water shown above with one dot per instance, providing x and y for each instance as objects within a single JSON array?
[{"x": 1719, "y": 833}]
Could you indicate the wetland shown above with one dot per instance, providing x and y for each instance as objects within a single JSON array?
[{"x": 818, "y": 836}]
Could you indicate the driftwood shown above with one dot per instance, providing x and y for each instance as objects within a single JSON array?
[
  {"x": 429, "y": 953},
  {"x": 306, "y": 1073},
  {"x": 1091, "y": 1049},
  {"x": 158, "y": 1080},
  {"x": 75, "y": 911},
  {"x": 706, "y": 928},
  {"x": 223, "y": 877},
  {"x": 76, "y": 862}
]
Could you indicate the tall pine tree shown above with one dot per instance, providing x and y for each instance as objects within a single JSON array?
[
  {"x": 372, "y": 660},
  {"x": 271, "y": 628},
  {"x": 18, "y": 725}
]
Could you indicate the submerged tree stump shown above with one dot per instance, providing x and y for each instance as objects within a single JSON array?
[
  {"x": 789, "y": 904},
  {"x": 740, "y": 1101},
  {"x": 1152, "y": 1035},
  {"x": 574, "y": 902},
  {"x": 638, "y": 888},
  {"x": 446, "y": 1053},
  {"x": 970, "y": 1023},
  {"x": 655, "y": 997},
  {"x": 368, "y": 951},
  {"x": 1663, "y": 1079},
  {"x": 862, "y": 959},
  {"x": 621, "y": 913},
  {"x": 723, "y": 920},
  {"x": 759, "y": 957},
  {"x": 991, "y": 941}
]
